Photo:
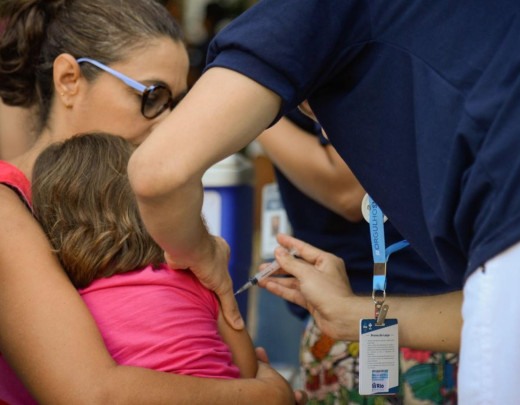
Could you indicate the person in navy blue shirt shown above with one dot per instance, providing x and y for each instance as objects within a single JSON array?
[
  {"x": 307, "y": 167},
  {"x": 420, "y": 98}
]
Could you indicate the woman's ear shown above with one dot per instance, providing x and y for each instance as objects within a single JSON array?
[{"x": 66, "y": 75}]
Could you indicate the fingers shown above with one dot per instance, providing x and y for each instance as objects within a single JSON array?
[
  {"x": 262, "y": 266},
  {"x": 285, "y": 289},
  {"x": 288, "y": 282},
  {"x": 309, "y": 259},
  {"x": 215, "y": 276},
  {"x": 223, "y": 245},
  {"x": 297, "y": 267},
  {"x": 307, "y": 252},
  {"x": 287, "y": 262},
  {"x": 261, "y": 354},
  {"x": 300, "y": 397},
  {"x": 230, "y": 310}
]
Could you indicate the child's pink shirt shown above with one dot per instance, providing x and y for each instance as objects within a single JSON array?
[{"x": 161, "y": 319}]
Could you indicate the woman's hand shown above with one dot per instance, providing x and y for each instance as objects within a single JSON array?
[
  {"x": 213, "y": 272},
  {"x": 320, "y": 284},
  {"x": 266, "y": 373}
]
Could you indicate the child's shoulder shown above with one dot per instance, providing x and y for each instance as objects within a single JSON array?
[{"x": 188, "y": 281}]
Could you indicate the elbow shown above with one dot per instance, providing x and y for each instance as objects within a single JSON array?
[
  {"x": 152, "y": 179},
  {"x": 96, "y": 393},
  {"x": 349, "y": 207},
  {"x": 143, "y": 176},
  {"x": 106, "y": 388},
  {"x": 102, "y": 394},
  {"x": 352, "y": 214}
]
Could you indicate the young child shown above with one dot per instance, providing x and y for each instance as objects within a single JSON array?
[{"x": 149, "y": 315}]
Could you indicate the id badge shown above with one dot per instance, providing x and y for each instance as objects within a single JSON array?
[
  {"x": 274, "y": 220},
  {"x": 378, "y": 358}
]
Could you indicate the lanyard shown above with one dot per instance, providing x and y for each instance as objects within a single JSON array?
[{"x": 380, "y": 255}]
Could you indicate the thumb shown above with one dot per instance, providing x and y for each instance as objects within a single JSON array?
[
  {"x": 288, "y": 262},
  {"x": 261, "y": 354},
  {"x": 230, "y": 310}
]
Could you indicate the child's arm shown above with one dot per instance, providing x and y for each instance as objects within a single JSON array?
[
  {"x": 48, "y": 336},
  {"x": 241, "y": 347}
]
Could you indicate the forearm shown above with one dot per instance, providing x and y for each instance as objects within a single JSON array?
[
  {"x": 297, "y": 154},
  {"x": 50, "y": 340},
  {"x": 241, "y": 346},
  {"x": 429, "y": 322},
  {"x": 141, "y": 386},
  {"x": 314, "y": 169},
  {"x": 425, "y": 322},
  {"x": 130, "y": 385},
  {"x": 176, "y": 224},
  {"x": 208, "y": 125}
]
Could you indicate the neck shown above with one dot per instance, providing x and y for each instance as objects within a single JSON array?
[{"x": 25, "y": 162}]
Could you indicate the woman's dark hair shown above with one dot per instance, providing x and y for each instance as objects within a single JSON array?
[
  {"x": 39, "y": 30},
  {"x": 84, "y": 202}
]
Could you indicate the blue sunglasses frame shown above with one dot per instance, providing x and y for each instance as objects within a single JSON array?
[{"x": 145, "y": 91}]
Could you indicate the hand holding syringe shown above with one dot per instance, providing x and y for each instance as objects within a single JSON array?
[{"x": 266, "y": 272}]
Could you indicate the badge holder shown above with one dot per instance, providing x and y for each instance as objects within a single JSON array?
[
  {"x": 379, "y": 336},
  {"x": 274, "y": 220}
]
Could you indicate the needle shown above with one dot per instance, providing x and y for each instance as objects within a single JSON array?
[{"x": 266, "y": 272}]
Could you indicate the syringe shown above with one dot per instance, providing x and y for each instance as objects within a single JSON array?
[{"x": 266, "y": 272}]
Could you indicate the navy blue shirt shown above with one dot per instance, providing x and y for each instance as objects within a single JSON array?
[
  {"x": 313, "y": 223},
  {"x": 419, "y": 97}
]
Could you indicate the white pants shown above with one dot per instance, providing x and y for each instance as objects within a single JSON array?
[{"x": 489, "y": 370}]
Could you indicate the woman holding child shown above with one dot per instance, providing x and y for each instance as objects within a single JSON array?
[{"x": 133, "y": 71}]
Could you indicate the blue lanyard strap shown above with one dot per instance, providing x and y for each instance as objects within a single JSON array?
[
  {"x": 395, "y": 247},
  {"x": 379, "y": 251},
  {"x": 377, "y": 232},
  {"x": 377, "y": 238}
]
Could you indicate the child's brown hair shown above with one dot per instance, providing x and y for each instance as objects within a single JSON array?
[{"x": 84, "y": 202}]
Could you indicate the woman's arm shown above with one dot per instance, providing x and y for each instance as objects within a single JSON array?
[
  {"x": 166, "y": 171},
  {"x": 49, "y": 338},
  {"x": 241, "y": 348},
  {"x": 314, "y": 169},
  {"x": 320, "y": 284}
]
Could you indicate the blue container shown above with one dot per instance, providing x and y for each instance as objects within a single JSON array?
[{"x": 228, "y": 211}]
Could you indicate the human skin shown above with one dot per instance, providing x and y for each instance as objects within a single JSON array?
[
  {"x": 174, "y": 180},
  {"x": 314, "y": 169},
  {"x": 431, "y": 322},
  {"x": 46, "y": 332},
  {"x": 323, "y": 170},
  {"x": 17, "y": 130},
  {"x": 226, "y": 95},
  {"x": 241, "y": 347}
]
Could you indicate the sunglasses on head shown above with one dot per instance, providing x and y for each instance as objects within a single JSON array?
[{"x": 154, "y": 99}]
